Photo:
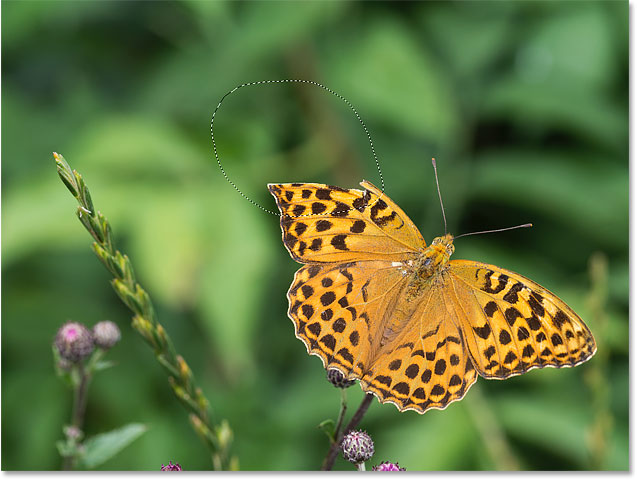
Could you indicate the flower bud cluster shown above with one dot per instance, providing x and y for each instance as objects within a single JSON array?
[
  {"x": 357, "y": 447},
  {"x": 74, "y": 342}
]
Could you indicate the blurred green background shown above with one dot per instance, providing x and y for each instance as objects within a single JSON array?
[{"x": 524, "y": 105}]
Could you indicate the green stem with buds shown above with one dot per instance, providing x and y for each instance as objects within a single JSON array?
[
  {"x": 217, "y": 438},
  {"x": 82, "y": 378},
  {"x": 332, "y": 453}
]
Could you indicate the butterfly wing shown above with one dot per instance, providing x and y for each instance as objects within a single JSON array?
[
  {"x": 326, "y": 224},
  {"x": 340, "y": 311},
  {"x": 512, "y": 325},
  {"x": 354, "y": 243},
  {"x": 336, "y": 308},
  {"x": 427, "y": 365}
]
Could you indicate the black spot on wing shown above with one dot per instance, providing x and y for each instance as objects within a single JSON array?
[
  {"x": 512, "y": 295},
  {"x": 340, "y": 210},
  {"x": 358, "y": 226},
  {"x": 338, "y": 242},
  {"x": 559, "y": 319},
  {"x": 361, "y": 203},
  {"x": 327, "y": 298},
  {"x": 512, "y": 314},
  {"x": 502, "y": 281},
  {"x": 536, "y": 304},
  {"x": 505, "y": 337},
  {"x": 315, "y": 246},
  {"x": 313, "y": 270},
  {"x": 395, "y": 364},
  {"x": 490, "y": 308},
  {"x": 298, "y": 210},
  {"x": 323, "y": 225},
  {"x": 383, "y": 379},
  {"x": 346, "y": 355},
  {"x": 483, "y": 332},
  {"x": 339, "y": 325},
  {"x": 323, "y": 194},
  {"x": 318, "y": 208}
]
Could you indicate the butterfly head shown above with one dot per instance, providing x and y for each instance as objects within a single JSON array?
[{"x": 443, "y": 246}]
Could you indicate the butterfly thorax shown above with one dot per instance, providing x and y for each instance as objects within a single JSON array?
[
  {"x": 427, "y": 268},
  {"x": 430, "y": 264}
]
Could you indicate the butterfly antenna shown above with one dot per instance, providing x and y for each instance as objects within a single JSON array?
[
  {"x": 442, "y": 207},
  {"x": 526, "y": 225}
]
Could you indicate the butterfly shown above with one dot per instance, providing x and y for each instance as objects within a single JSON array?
[{"x": 374, "y": 302}]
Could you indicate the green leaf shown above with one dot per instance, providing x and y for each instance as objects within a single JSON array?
[
  {"x": 327, "y": 426},
  {"x": 409, "y": 90},
  {"x": 103, "y": 446}
]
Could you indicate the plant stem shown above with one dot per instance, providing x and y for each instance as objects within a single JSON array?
[
  {"x": 217, "y": 438},
  {"x": 79, "y": 408},
  {"x": 493, "y": 437},
  {"x": 597, "y": 372},
  {"x": 332, "y": 453},
  {"x": 341, "y": 415}
]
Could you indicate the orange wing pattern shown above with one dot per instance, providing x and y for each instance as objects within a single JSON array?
[{"x": 416, "y": 329}]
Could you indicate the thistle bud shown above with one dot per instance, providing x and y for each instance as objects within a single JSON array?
[
  {"x": 72, "y": 432},
  {"x": 336, "y": 378},
  {"x": 171, "y": 467},
  {"x": 387, "y": 467},
  {"x": 74, "y": 342},
  {"x": 106, "y": 334},
  {"x": 357, "y": 447}
]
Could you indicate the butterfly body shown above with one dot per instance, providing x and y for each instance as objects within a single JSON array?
[{"x": 414, "y": 327}]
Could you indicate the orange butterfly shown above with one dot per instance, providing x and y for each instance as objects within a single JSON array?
[{"x": 374, "y": 302}]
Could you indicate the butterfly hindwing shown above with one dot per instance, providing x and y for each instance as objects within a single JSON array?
[
  {"x": 336, "y": 308},
  {"x": 512, "y": 324},
  {"x": 325, "y": 224},
  {"x": 427, "y": 365}
]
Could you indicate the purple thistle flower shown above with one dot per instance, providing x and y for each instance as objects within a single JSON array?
[
  {"x": 74, "y": 342},
  {"x": 357, "y": 447},
  {"x": 171, "y": 467},
  {"x": 387, "y": 467}
]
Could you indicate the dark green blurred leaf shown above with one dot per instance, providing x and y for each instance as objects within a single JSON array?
[{"x": 393, "y": 78}]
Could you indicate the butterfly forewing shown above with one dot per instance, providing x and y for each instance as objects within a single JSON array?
[
  {"x": 512, "y": 324},
  {"x": 327, "y": 224}
]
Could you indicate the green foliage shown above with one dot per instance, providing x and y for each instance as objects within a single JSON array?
[
  {"x": 523, "y": 104},
  {"x": 102, "y": 447}
]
